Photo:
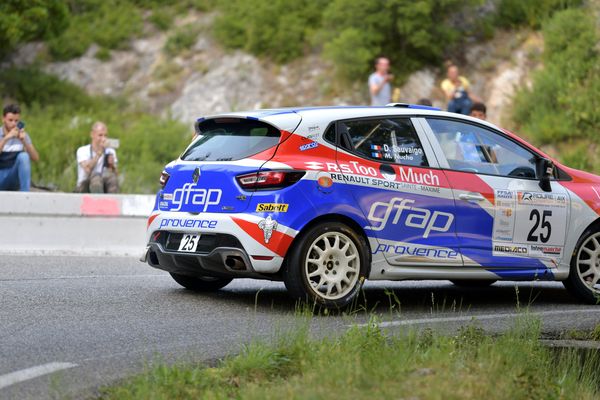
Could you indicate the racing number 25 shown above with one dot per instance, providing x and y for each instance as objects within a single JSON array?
[{"x": 545, "y": 224}]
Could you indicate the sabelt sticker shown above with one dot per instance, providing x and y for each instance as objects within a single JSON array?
[{"x": 272, "y": 207}]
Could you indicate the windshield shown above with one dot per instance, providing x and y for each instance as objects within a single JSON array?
[{"x": 228, "y": 139}]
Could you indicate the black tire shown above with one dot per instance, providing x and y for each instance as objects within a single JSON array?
[
  {"x": 204, "y": 284},
  {"x": 473, "y": 283},
  {"x": 575, "y": 282},
  {"x": 333, "y": 264}
]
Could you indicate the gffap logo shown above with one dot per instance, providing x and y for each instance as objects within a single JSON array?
[
  {"x": 420, "y": 218},
  {"x": 189, "y": 194}
]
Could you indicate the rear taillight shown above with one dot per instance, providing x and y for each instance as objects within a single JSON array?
[
  {"x": 164, "y": 178},
  {"x": 269, "y": 179}
]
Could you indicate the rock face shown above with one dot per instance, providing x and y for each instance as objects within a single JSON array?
[{"x": 236, "y": 83}]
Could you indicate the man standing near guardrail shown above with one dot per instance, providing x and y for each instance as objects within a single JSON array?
[
  {"x": 97, "y": 164},
  {"x": 16, "y": 151}
]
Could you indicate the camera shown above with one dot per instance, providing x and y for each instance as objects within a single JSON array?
[{"x": 112, "y": 143}]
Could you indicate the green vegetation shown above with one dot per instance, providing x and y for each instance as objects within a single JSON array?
[
  {"x": 26, "y": 20},
  {"x": 563, "y": 107},
  {"x": 59, "y": 116},
  {"x": 279, "y": 29},
  {"x": 515, "y": 13},
  {"x": 182, "y": 39},
  {"x": 365, "y": 363}
]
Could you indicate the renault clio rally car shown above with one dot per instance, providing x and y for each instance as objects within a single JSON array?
[{"x": 324, "y": 198}]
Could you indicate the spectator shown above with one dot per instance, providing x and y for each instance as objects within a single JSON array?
[
  {"x": 16, "y": 151},
  {"x": 425, "y": 102},
  {"x": 97, "y": 164},
  {"x": 379, "y": 83},
  {"x": 479, "y": 110},
  {"x": 456, "y": 88}
]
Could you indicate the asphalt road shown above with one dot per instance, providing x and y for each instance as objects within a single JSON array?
[{"x": 69, "y": 325}]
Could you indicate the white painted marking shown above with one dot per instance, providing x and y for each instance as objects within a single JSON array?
[
  {"x": 33, "y": 372},
  {"x": 478, "y": 317}
]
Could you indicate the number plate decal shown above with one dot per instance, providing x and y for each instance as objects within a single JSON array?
[
  {"x": 189, "y": 243},
  {"x": 530, "y": 224}
]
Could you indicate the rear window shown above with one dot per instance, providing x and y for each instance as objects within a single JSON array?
[{"x": 228, "y": 139}]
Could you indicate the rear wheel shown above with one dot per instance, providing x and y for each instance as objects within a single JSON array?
[
  {"x": 584, "y": 277},
  {"x": 473, "y": 283},
  {"x": 327, "y": 265},
  {"x": 201, "y": 284}
]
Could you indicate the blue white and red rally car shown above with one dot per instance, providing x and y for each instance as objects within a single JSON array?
[{"x": 324, "y": 198}]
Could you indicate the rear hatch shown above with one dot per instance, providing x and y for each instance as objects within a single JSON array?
[{"x": 204, "y": 179}]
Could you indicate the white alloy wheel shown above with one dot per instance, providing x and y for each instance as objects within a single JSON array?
[
  {"x": 588, "y": 262},
  {"x": 332, "y": 265}
]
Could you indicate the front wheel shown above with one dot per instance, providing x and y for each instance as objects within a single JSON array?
[
  {"x": 327, "y": 265},
  {"x": 584, "y": 277},
  {"x": 201, "y": 284}
]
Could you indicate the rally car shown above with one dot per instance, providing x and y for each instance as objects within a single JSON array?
[{"x": 323, "y": 198}]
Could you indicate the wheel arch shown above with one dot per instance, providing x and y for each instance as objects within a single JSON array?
[{"x": 355, "y": 226}]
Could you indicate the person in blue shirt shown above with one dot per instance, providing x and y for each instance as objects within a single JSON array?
[{"x": 16, "y": 151}]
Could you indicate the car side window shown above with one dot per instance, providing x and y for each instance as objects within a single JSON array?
[
  {"x": 383, "y": 139},
  {"x": 471, "y": 148}
]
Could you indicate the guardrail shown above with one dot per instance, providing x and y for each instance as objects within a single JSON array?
[{"x": 73, "y": 224}]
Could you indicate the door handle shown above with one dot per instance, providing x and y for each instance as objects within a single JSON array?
[{"x": 471, "y": 197}]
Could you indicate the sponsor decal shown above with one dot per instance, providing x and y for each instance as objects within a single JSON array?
[
  {"x": 541, "y": 198},
  {"x": 189, "y": 194},
  {"x": 188, "y": 223},
  {"x": 167, "y": 196},
  {"x": 314, "y": 165},
  {"x": 267, "y": 225},
  {"x": 549, "y": 250},
  {"x": 325, "y": 182},
  {"x": 504, "y": 194},
  {"x": 420, "y": 218},
  {"x": 163, "y": 204},
  {"x": 313, "y": 128},
  {"x": 272, "y": 207},
  {"x": 507, "y": 212},
  {"x": 407, "y": 174},
  {"x": 409, "y": 250},
  {"x": 511, "y": 249},
  {"x": 308, "y": 146}
]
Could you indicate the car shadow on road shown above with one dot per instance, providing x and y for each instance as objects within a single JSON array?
[{"x": 409, "y": 296}]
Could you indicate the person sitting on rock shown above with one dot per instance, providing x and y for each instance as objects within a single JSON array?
[{"x": 97, "y": 164}]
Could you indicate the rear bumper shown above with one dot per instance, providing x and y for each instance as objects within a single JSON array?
[{"x": 224, "y": 262}]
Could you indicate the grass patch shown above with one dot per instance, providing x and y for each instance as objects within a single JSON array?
[{"x": 367, "y": 363}]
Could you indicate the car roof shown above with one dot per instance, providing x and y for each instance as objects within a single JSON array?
[{"x": 276, "y": 115}]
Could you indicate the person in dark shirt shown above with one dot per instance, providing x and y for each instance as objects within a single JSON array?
[{"x": 16, "y": 151}]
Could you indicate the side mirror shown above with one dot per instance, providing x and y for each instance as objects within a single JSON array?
[{"x": 544, "y": 171}]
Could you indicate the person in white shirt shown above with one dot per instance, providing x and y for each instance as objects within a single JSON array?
[{"x": 97, "y": 164}]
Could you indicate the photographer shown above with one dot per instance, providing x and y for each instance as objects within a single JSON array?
[
  {"x": 16, "y": 151},
  {"x": 97, "y": 164}
]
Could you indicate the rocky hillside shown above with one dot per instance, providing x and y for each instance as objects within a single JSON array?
[{"x": 204, "y": 78}]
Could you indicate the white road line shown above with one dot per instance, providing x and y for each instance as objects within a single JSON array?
[
  {"x": 479, "y": 317},
  {"x": 33, "y": 372}
]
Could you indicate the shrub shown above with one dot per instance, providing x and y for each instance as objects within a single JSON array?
[
  {"x": 182, "y": 39},
  {"x": 108, "y": 23},
  {"x": 275, "y": 28},
  {"x": 562, "y": 105},
  {"x": 514, "y": 13}
]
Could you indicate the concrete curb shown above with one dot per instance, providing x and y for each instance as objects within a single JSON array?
[{"x": 73, "y": 224}]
